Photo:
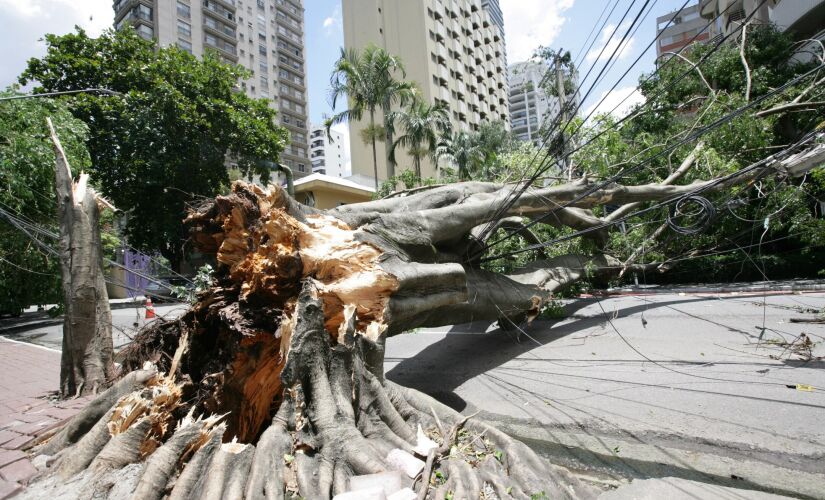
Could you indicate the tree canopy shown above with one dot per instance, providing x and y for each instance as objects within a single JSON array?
[{"x": 166, "y": 140}]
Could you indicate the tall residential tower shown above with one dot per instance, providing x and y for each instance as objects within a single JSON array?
[
  {"x": 264, "y": 36},
  {"x": 452, "y": 49}
]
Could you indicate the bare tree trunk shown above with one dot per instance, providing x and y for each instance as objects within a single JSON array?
[
  {"x": 374, "y": 153},
  {"x": 87, "y": 363},
  {"x": 388, "y": 130}
]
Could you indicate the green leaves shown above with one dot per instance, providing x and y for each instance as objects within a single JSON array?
[
  {"x": 28, "y": 274},
  {"x": 166, "y": 142}
]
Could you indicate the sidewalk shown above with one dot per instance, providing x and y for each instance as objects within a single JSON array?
[{"x": 29, "y": 378}]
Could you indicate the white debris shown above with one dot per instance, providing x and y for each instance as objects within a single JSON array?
[
  {"x": 390, "y": 482},
  {"x": 405, "y": 462},
  {"x": 405, "y": 494},
  {"x": 376, "y": 493},
  {"x": 424, "y": 444}
]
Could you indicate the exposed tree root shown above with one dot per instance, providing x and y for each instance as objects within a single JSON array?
[{"x": 336, "y": 420}]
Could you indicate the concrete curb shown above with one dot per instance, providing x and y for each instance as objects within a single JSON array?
[{"x": 775, "y": 288}]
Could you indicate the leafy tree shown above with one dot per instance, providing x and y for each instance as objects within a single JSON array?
[
  {"x": 460, "y": 148},
  {"x": 368, "y": 80},
  {"x": 680, "y": 100},
  {"x": 165, "y": 141},
  {"x": 477, "y": 154},
  {"x": 422, "y": 123},
  {"x": 27, "y": 177}
]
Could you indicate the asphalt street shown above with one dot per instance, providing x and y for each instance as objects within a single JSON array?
[
  {"x": 701, "y": 387},
  {"x": 717, "y": 388}
]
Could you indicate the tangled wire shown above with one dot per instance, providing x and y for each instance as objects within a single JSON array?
[{"x": 701, "y": 215}]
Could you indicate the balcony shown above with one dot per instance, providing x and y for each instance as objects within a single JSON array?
[
  {"x": 211, "y": 7},
  {"x": 219, "y": 28}
]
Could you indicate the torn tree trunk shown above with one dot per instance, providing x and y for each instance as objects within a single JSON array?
[{"x": 87, "y": 363}]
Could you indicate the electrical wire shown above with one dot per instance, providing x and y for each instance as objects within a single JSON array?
[
  {"x": 691, "y": 137},
  {"x": 543, "y": 166}
]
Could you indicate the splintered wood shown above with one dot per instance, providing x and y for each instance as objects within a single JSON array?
[{"x": 269, "y": 253}]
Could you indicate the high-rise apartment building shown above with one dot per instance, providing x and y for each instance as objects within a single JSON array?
[
  {"x": 327, "y": 152},
  {"x": 804, "y": 20},
  {"x": 680, "y": 28},
  {"x": 530, "y": 105},
  {"x": 453, "y": 51},
  {"x": 264, "y": 36}
]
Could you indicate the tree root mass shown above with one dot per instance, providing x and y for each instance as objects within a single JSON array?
[{"x": 272, "y": 384}]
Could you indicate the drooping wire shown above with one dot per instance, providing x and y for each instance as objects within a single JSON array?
[
  {"x": 543, "y": 164},
  {"x": 689, "y": 138}
]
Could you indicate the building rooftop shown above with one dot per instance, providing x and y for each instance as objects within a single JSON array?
[{"x": 328, "y": 179}]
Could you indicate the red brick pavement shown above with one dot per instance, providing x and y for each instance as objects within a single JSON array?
[{"x": 29, "y": 377}]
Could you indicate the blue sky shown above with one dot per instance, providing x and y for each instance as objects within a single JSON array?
[{"x": 528, "y": 24}]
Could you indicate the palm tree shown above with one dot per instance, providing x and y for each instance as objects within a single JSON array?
[
  {"x": 423, "y": 124},
  {"x": 368, "y": 81},
  {"x": 463, "y": 150}
]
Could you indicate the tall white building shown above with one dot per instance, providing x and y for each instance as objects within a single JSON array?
[
  {"x": 328, "y": 153},
  {"x": 530, "y": 105},
  {"x": 264, "y": 36},
  {"x": 452, "y": 49}
]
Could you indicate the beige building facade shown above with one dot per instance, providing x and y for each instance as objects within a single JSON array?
[
  {"x": 453, "y": 51},
  {"x": 264, "y": 36}
]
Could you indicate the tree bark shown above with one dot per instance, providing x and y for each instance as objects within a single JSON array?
[
  {"x": 87, "y": 360},
  {"x": 374, "y": 153}
]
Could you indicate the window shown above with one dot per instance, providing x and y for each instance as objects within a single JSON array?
[
  {"x": 145, "y": 31},
  {"x": 185, "y": 45},
  {"x": 184, "y": 28},
  {"x": 184, "y": 10}
]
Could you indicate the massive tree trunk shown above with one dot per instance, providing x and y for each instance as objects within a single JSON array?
[
  {"x": 272, "y": 385},
  {"x": 87, "y": 362}
]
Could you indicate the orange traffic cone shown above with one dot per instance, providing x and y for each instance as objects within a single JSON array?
[{"x": 150, "y": 309}]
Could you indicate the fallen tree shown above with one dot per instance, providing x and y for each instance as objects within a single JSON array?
[{"x": 272, "y": 385}]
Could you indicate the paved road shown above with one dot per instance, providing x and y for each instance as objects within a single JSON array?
[
  {"x": 697, "y": 390},
  {"x": 125, "y": 322}
]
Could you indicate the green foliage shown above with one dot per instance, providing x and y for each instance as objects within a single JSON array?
[
  {"x": 165, "y": 141},
  {"x": 478, "y": 155},
  {"x": 202, "y": 281},
  {"x": 553, "y": 309},
  {"x": 407, "y": 179},
  {"x": 422, "y": 124},
  {"x": 679, "y": 102},
  {"x": 28, "y": 274}
]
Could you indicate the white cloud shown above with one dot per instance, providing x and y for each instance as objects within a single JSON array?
[
  {"x": 20, "y": 8},
  {"x": 334, "y": 23},
  {"x": 531, "y": 23},
  {"x": 625, "y": 98},
  {"x": 25, "y": 22},
  {"x": 609, "y": 41}
]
